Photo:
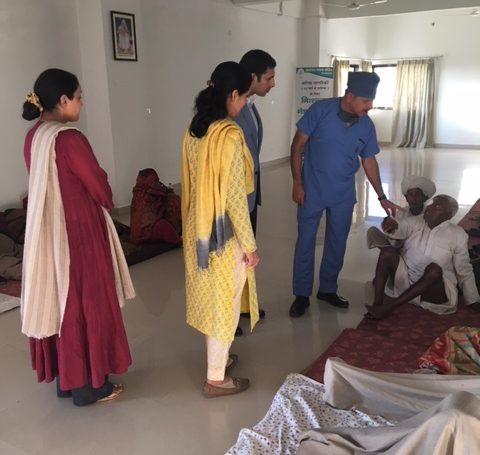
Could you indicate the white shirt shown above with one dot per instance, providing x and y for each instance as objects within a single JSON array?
[
  {"x": 404, "y": 212},
  {"x": 446, "y": 245}
]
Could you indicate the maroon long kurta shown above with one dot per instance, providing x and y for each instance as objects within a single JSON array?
[{"x": 92, "y": 341}]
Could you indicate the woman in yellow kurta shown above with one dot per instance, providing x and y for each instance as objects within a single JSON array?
[{"x": 219, "y": 245}]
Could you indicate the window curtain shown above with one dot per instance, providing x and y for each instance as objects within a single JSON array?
[
  {"x": 366, "y": 65},
  {"x": 412, "y": 124},
  {"x": 340, "y": 76}
]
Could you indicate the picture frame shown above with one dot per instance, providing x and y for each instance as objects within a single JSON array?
[{"x": 124, "y": 37}]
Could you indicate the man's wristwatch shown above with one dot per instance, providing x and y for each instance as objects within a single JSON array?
[{"x": 382, "y": 197}]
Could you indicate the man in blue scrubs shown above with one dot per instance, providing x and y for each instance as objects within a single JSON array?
[{"x": 332, "y": 138}]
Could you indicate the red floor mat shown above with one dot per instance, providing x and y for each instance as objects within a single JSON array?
[
  {"x": 394, "y": 343},
  {"x": 12, "y": 288},
  {"x": 371, "y": 351}
]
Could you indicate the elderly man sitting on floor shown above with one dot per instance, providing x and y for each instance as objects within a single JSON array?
[
  {"x": 433, "y": 260},
  {"x": 417, "y": 190}
]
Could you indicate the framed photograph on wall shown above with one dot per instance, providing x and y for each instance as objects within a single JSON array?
[{"x": 124, "y": 36}]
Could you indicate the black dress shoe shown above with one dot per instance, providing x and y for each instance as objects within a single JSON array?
[
  {"x": 261, "y": 314},
  {"x": 238, "y": 332},
  {"x": 299, "y": 305},
  {"x": 333, "y": 299}
]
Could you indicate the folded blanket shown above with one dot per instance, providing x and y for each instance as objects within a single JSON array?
[{"x": 457, "y": 351}]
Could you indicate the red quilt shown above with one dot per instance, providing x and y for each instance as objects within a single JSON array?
[{"x": 457, "y": 351}]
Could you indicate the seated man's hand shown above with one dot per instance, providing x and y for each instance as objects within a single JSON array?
[{"x": 389, "y": 225}]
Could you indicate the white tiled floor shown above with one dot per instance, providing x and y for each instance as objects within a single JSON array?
[{"x": 162, "y": 410}]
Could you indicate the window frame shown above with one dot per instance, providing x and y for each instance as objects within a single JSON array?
[{"x": 383, "y": 65}]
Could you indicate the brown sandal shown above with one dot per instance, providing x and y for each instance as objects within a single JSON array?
[
  {"x": 231, "y": 387},
  {"x": 117, "y": 390}
]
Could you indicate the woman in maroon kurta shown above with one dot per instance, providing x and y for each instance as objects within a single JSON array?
[{"x": 92, "y": 342}]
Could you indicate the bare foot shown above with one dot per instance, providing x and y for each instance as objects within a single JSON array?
[
  {"x": 377, "y": 311},
  {"x": 369, "y": 316}
]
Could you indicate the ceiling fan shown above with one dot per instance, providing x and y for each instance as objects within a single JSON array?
[{"x": 354, "y": 5}]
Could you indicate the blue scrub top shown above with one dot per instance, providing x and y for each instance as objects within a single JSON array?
[{"x": 331, "y": 154}]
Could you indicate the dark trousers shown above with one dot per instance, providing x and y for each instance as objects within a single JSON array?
[
  {"x": 253, "y": 219},
  {"x": 86, "y": 395}
]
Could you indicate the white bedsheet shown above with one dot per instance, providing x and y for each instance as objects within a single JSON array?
[
  {"x": 297, "y": 407},
  {"x": 438, "y": 414},
  {"x": 393, "y": 395},
  {"x": 428, "y": 402},
  {"x": 449, "y": 428}
]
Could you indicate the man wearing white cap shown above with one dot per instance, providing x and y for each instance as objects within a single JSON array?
[
  {"x": 333, "y": 137},
  {"x": 417, "y": 190},
  {"x": 432, "y": 263}
]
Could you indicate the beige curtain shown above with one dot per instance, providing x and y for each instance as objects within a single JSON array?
[
  {"x": 366, "y": 65},
  {"x": 340, "y": 76},
  {"x": 412, "y": 124}
]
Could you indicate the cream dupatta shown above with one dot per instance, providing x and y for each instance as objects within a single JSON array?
[{"x": 46, "y": 258}]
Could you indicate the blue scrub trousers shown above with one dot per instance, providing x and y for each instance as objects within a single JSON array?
[{"x": 338, "y": 222}]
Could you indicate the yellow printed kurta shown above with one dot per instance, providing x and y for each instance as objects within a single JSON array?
[{"x": 210, "y": 291}]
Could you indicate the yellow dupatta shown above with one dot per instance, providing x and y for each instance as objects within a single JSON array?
[{"x": 215, "y": 153}]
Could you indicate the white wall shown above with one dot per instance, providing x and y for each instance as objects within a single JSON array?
[
  {"x": 94, "y": 80},
  {"x": 179, "y": 43},
  {"x": 130, "y": 94},
  {"x": 452, "y": 36},
  {"x": 184, "y": 41},
  {"x": 34, "y": 36},
  {"x": 344, "y": 38}
]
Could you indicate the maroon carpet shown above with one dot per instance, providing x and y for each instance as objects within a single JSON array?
[
  {"x": 393, "y": 344},
  {"x": 12, "y": 288}
]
